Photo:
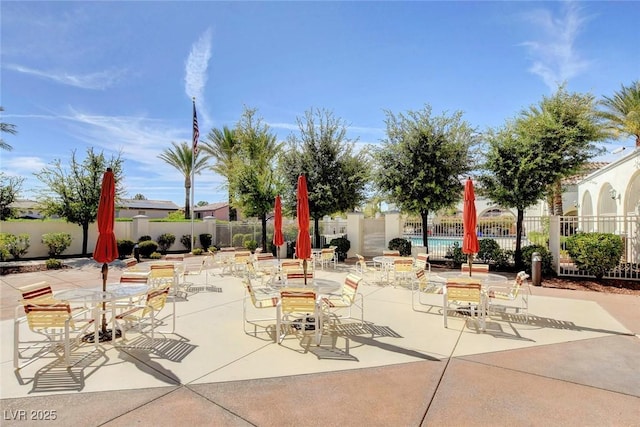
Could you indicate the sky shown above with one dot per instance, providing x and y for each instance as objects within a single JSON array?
[{"x": 120, "y": 76}]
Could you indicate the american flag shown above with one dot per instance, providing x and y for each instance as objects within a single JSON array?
[{"x": 196, "y": 132}]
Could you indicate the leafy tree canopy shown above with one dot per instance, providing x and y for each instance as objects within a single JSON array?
[
  {"x": 73, "y": 192},
  {"x": 10, "y": 186}
]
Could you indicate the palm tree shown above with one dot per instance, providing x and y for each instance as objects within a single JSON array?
[
  {"x": 180, "y": 157},
  {"x": 221, "y": 145},
  {"x": 8, "y": 128},
  {"x": 622, "y": 111}
]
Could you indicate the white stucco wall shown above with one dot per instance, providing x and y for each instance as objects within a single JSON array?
[{"x": 612, "y": 190}]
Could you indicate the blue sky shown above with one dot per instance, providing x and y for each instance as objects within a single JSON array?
[{"x": 119, "y": 76}]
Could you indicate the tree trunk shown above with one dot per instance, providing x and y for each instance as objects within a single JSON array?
[
  {"x": 517, "y": 257},
  {"x": 316, "y": 232},
  {"x": 85, "y": 238},
  {"x": 263, "y": 219},
  {"x": 557, "y": 198},
  {"x": 233, "y": 214},
  {"x": 187, "y": 204},
  {"x": 425, "y": 230}
]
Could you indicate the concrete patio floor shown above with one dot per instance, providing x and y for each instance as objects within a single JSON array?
[{"x": 575, "y": 362}]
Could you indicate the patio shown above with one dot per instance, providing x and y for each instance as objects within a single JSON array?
[{"x": 402, "y": 368}]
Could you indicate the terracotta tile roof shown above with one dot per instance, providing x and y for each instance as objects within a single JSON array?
[{"x": 587, "y": 169}]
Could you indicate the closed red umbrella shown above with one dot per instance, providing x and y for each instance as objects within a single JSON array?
[
  {"x": 106, "y": 247},
  {"x": 470, "y": 244},
  {"x": 278, "y": 238},
  {"x": 303, "y": 242}
]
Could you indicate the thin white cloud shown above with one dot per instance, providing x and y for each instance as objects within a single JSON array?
[
  {"x": 555, "y": 57},
  {"x": 18, "y": 166},
  {"x": 96, "y": 81},
  {"x": 196, "y": 68}
]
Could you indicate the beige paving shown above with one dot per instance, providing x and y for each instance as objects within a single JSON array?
[{"x": 403, "y": 368}]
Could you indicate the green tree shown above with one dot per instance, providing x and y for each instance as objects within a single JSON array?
[
  {"x": 254, "y": 183},
  {"x": 336, "y": 174},
  {"x": 74, "y": 193},
  {"x": 181, "y": 158},
  {"x": 622, "y": 112},
  {"x": 139, "y": 196},
  {"x": 7, "y": 128},
  {"x": 531, "y": 154},
  {"x": 422, "y": 161},
  {"x": 10, "y": 186},
  {"x": 221, "y": 146},
  {"x": 566, "y": 125},
  {"x": 513, "y": 175}
]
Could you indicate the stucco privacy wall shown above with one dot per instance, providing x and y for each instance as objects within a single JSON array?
[{"x": 123, "y": 230}]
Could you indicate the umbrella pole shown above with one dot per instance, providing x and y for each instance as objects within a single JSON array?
[
  {"x": 105, "y": 272},
  {"x": 470, "y": 257},
  {"x": 304, "y": 271}
]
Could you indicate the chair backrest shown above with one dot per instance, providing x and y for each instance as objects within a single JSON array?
[
  {"x": 466, "y": 292},
  {"x": 174, "y": 257},
  {"x": 327, "y": 253},
  {"x": 350, "y": 288},
  {"x": 403, "y": 264},
  {"x": 422, "y": 260},
  {"x": 130, "y": 262},
  {"x": 48, "y": 315},
  {"x": 298, "y": 276},
  {"x": 297, "y": 301},
  {"x": 37, "y": 293},
  {"x": 156, "y": 299},
  {"x": 133, "y": 278},
  {"x": 475, "y": 268},
  {"x": 242, "y": 257},
  {"x": 421, "y": 276},
  {"x": 161, "y": 270},
  {"x": 291, "y": 264},
  {"x": 264, "y": 256},
  {"x": 518, "y": 283},
  {"x": 390, "y": 253}
]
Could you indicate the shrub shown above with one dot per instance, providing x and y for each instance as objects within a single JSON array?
[
  {"x": 125, "y": 247},
  {"x": 144, "y": 239},
  {"x": 238, "y": 240},
  {"x": 250, "y": 244},
  {"x": 342, "y": 247},
  {"x": 186, "y": 241},
  {"x": 400, "y": 244},
  {"x": 53, "y": 264},
  {"x": 155, "y": 255},
  {"x": 596, "y": 253},
  {"x": 547, "y": 267},
  {"x": 57, "y": 242},
  {"x": 205, "y": 240},
  {"x": 197, "y": 251},
  {"x": 5, "y": 243},
  {"x": 489, "y": 250},
  {"x": 165, "y": 241},
  {"x": 538, "y": 238},
  {"x": 504, "y": 259},
  {"x": 14, "y": 245},
  {"x": 455, "y": 255},
  {"x": 147, "y": 247}
]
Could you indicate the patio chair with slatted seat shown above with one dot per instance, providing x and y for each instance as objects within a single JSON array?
[
  {"x": 422, "y": 262},
  {"x": 475, "y": 268},
  {"x": 58, "y": 324},
  {"x": 348, "y": 298},
  {"x": 422, "y": 287},
  {"x": 465, "y": 298},
  {"x": 403, "y": 269},
  {"x": 261, "y": 298},
  {"x": 499, "y": 296},
  {"x": 143, "y": 316},
  {"x": 298, "y": 311},
  {"x": 366, "y": 269}
]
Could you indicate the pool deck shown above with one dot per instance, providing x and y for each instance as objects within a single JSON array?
[{"x": 575, "y": 362}]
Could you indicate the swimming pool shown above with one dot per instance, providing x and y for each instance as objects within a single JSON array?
[{"x": 435, "y": 242}]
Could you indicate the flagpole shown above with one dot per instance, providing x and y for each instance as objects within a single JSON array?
[{"x": 195, "y": 136}]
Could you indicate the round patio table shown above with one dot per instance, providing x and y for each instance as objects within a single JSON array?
[{"x": 485, "y": 279}]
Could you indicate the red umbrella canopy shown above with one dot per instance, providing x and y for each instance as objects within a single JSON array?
[
  {"x": 303, "y": 244},
  {"x": 106, "y": 247},
  {"x": 469, "y": 221},
  {"x": 278, "y": 238}
]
